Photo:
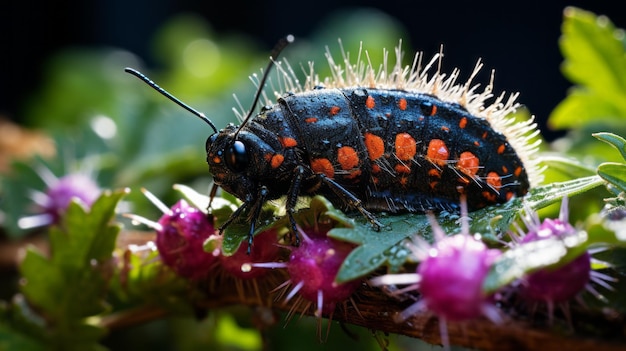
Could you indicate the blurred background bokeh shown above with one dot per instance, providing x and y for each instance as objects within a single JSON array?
[{"x": 518, "y": 39}]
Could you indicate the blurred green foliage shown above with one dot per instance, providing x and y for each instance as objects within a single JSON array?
[{"x": 595, "y": 62}]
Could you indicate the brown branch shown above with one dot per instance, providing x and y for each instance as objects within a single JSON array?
[{"x": 374, "y": 309}]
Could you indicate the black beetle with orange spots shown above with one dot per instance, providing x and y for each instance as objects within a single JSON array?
[{"x": 407, "y": 144}]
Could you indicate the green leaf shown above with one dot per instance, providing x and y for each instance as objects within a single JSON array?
[
  {"x": 11, "y": 339},
  {"x": 614, "y": 140},
  {"x": 229, "y": 332},
  {"x": 70, "y": 285},
  {"x": 549, "y": 253},
  {"x": 44, "y": 283},
  {"x": 386, "y": 247},
  {"x": 319, "y": 210},
  {"x": 614, "y": 173},
  {"x": 237, "y": 232},
  {"x": 528, "y": 257},
  {"x": 595, "y": 60},
  {"x": 594, "y": 54},
  {"x": 569, "y": 166},
  {"x": 378, "y": 247},
  {"x": 583, "y": 107},
  {"x": 542, "y": 196}
]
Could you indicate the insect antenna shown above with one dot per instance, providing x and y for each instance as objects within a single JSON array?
[
  {"x": 275, "y": 52},
  {"x": 164, "y": 92}
]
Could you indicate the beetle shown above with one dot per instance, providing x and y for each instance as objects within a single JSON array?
[{"x": 370, "y": 148}]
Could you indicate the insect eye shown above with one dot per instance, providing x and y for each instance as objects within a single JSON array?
[{"x": 236, "y": 156}]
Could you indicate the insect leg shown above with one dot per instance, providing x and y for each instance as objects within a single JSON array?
[
  {"x": 351, "y": 200},
  {"x": 235, "y": 214},
  {"x": 211, "y": 197},
  {"x": 292, "y": 198},
  {"x": 256, "y": 212}
]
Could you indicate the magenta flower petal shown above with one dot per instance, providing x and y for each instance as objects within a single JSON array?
[{"x": 180, "y": 241}]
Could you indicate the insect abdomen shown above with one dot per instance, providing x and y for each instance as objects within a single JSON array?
[{"x": 402, "y": 151}]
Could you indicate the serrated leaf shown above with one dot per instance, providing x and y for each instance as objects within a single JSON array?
[
  {"x": 43, "y": 282},
  {"x": 614, "y": 140},
  {"x": 377, "y": 247},
  {"x": 594, "y": 54},
  {"x": 385, "y": 247},
  {"x": 71, "y": 285},
  {"x": 614, "y": 173},
  {"x": 595, "y": 60},
  {"x": 84, "y": 235}
]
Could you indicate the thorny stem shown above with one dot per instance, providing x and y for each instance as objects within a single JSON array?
[{"x": 373, "y": 309}]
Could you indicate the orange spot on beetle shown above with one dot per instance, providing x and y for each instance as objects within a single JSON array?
[
  {"x": 494, "y": 180},
  {"x": 434, "y": 172},
  {"x": 518, "y": 171},
  {"x": 402, "y": 168},
  {"x": 323, "y": 165},
  {"x": 468, "y": 163},
  {"x": 438, "y": 151},
  {"x": 406, "y": 146},
  {"x": 217, "y": 159},
  {"x": 347, "y": 157},
  {"x": 375, "y": 146},
  {"x": 354, "y": 174},
  {"x": 445, "y": 129},
  {"x": 402, "y": 104},
  {"x": 310, "y": 120},
  {"x": 370, "y": 102},
  {"x": 277, "y": 160},
  {"x": 288, "y": 142},
  {"x": 433, "y": 111},
  {"x": 375, "y": 168},
  {"x": 404, "y": 181},
  {"x": 463, "y": 123},
  {"x": 501, "y": 149},
  {"x": 334, "y": 110}
]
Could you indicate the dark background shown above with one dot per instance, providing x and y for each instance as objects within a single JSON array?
[{"x": 519, "y": 39}]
